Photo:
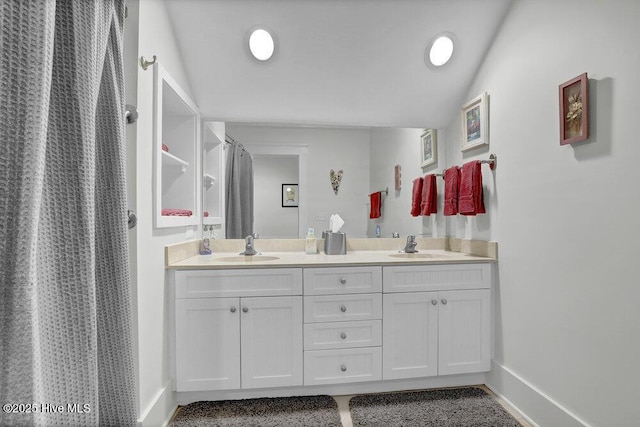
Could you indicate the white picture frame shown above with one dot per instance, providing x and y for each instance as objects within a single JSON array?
[
  {"x": 428, "y": 147},
  {"x": 474, "y": 117}
]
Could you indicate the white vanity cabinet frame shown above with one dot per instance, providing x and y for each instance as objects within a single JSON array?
[
  {"x": 238, "y": 329},
  {"x": 437, "y": 320},
  {"x": 358, "y": 346}
]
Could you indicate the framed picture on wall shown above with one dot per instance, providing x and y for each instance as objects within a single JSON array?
[
  {"x": 290, "y": 195},
  {"x": 574, "y": 110},
  {"x": 428, "y": 147},
  {"x": 475, "y": 122}
]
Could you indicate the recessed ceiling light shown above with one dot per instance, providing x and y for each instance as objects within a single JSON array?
[
  {"x": 439, "y": 50},
  {"x": 261, "y": 44}
]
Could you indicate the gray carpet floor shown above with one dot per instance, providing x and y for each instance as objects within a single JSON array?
[
  {"x": 456, "y": 407},
  {"x": 304, "y": 411}
]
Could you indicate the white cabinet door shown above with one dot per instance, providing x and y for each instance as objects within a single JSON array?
[
  {"x": 207, "y": 344},
  {"x": 464, "y": 335},
  {"x": 410, "y": 335},
  {"x": 271, "y": 341}
]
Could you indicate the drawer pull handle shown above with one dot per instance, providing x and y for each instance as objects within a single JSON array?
[
  {"x": 232, "y": 309},
  {"x": 343, "y": 308},
  {"x": 245, "y": 309},
  {"x": 343, "y": 335},
  {"x": 343, "y": 280},
  {"x": 343, "y": 368},
  {"x": 434, "y": 301},
  {"x": 444, "y": 301}
]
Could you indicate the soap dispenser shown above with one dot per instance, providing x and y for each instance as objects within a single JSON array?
[{"x": 310, "y": 245}]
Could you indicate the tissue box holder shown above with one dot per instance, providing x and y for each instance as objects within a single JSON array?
[{"x": 335, "y": 243}]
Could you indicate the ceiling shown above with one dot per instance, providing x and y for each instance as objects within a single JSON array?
[{"x": 337, "y": 62}]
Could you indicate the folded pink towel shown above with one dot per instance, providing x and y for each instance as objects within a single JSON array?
[
  {"x": 429, "y": 202},
  {"x": 176, "y": 212},
  {"x": 416, "y": 197}
]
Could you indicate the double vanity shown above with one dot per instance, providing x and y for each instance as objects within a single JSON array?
[{"x": 287, "y": 323}]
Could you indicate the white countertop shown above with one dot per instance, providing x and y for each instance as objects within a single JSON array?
[{"x": 221, "y": 260}]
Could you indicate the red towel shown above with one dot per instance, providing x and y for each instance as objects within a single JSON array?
[
  {"x": 416, "y": 196},
  {"x": 176, "y": 212},
  {"x": 451, "y": 184},
  {"x": 470, "y": 196},
  {"x": 429, "y": 202},
  {"x": 205, "y": 214},
  {"x": 376, "y": 203}
]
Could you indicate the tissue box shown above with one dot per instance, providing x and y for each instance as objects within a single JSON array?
[{"x": 335, "y": 243}]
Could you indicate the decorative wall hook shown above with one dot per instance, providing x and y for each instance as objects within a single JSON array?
[
  {"x": 145, "y": 64},
  {"x": 335, "y": 178}
]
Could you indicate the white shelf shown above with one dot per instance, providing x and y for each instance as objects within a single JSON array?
[
  {"x": 177, "y": 174},
  {"x": 175, "y": 161},
  {"x": 208, "y": 180}
]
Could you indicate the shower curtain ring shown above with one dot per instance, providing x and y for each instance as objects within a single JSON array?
[{"x": 145, "y": 64}]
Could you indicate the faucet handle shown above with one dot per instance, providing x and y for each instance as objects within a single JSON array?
[{"x": 411, "y": 238}]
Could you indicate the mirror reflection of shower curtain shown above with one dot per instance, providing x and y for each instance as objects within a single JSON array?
[{"x": 239, "y": 192}]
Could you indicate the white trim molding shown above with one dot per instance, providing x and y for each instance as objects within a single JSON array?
[
  {"x": 161, "y": 409},
  {"x": 538, "y": 408}
]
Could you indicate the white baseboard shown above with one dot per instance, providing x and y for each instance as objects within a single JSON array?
[
  {"x": 161, "y": 409},
  {"x": 535, "y": 406},
  {"x": 184, "y": 398}
]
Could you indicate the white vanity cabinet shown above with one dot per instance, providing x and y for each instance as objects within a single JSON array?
[
  {"x": 269, "y": 331},
  {"x": 238, "y": 329},
  {"x": 343, "y": 325},
  {"x": 436, "y": 320}
]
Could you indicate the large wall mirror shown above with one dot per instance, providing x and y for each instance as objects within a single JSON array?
[{"x": 305, "y": 155}]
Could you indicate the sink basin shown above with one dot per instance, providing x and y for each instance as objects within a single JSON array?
[
  {"x": 248, "y": 258},
  {"x": 417, "y": 256}
]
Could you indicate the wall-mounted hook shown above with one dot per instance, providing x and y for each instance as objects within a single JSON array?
[
  {"x": 145, "y": 64},
  {"x": 131, "y": 114}
]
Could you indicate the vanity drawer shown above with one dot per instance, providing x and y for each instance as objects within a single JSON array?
[
  {"x": 424, "y": 278},
  {"x": 342, "y": 366},
  {"x": 342, "y": 280},
  {"x": 238, "y": 283},
  {"x": 322, "y": 336},
  {"x": 339, "y": 308}
]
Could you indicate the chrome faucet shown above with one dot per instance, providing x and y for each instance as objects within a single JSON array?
[
  {"x": 410, "y": 247},
  {"x": 248, "y": 246}
]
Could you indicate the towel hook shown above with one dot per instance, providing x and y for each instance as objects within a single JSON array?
[{"x": 145, "y": 64}]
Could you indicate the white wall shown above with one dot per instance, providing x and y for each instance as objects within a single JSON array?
[
  {"x": 565, "y": 217},
  {"x": 156, "y": 399},
  {"x": 271, "y": 220},
  {"x": 392, "y": 146},
  {"x": 328, "y": 148}
]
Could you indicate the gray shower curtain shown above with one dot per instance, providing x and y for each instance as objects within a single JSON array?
[
  {"x": 239, "y": 192},
  {"x": 66, "y": 330}
]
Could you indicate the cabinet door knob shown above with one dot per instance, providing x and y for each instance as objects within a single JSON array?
[
  {"x": 245, "y": 309},
  {"x": 343, "y": 280},
  {"x": 434, "y": 301},
  {"x": 232, "y": 309},
  {"x": 343, "y": 335},
  {"x": 444, "y": 301},
  {"x": 343, "y": 308},
  {"x": 343, "y": 368}
]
